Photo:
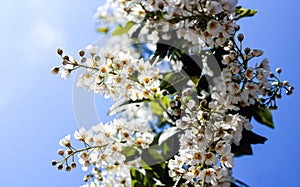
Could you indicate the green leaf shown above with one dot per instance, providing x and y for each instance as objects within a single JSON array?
[
  {"x": 263, "y": 115},
  {"x": 131, "y": 153},
  {"x": 153, "y": 155},
  {"x": 243, "y": 149},
  {"x": 244, "y": 12},
  {"x": 103, "y": 29},
  {"x": 253, "y": 138},
  {"x": 159, "y": 105},
  {"x": 123, "y": 30},
  {"x": 138, "y": 179},
  {"x": 248, "y": 138},
  {"x": 174, "y": 82},
  {"x": 169, "y": 142}
]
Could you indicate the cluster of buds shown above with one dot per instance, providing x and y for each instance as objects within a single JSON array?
[{"x": 278, "y": 87}]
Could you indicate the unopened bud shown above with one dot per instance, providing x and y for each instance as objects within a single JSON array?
[
  {"x": 69, "y": 152},
  {"x": 87, "y": 163},
  {"x": 53, "y": 163},
  {"x": 59, "y": 51},
  {"x": 241, "y": 37},
  {"x": 257, "y": 52},
  {"x": 285, "y": 83},
  {"x": 177, "y": 112},
  {"x": 83, "y": 60},
  {"x": 205, "y": 115},
  {"x": 97, "y": 58},
  {"x": 73, "y": 165},
  {"x": 247, "y": 50},
  {"x": 203, "y": 103},
  {"x": 237, "y": 27},
  {"x": 81, "y": 53},
  {"x": 278, "y": 96},
  {"x": 273, "y": 107},
  {"x": 60, "y": 152},
  {"x": 291, "y": 88},
  {"x": 66, "y": 57},
  {"x": 68, "y": 168},
  {"x": 60, "y": 167},
  {"x": 160, "y": 5},
  {"x": 55, "y": 70},
  {"x": 272, "y": 75},
  {"x": 289, "y": 92},
  {"x": 278, "y": 70}
]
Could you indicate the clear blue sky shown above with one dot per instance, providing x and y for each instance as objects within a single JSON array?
[{"x": 36, "y": 107}]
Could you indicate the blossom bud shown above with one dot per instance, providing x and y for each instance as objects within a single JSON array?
[
  {"x": 53, "y": 163},
  {"x": 247, "y": 50},
  {"x": 288, "y": 92},
  {"x": 68, "y": 168},
  {"x": 291, "y": 88},
  {"x": 69, "y": 152},
  {"x": 160, "y": 5},
  {"x": 73, "y": 165},
  {"x": 83, "y": 60},
  {"x": 203, "y": 103},
  {"x": 205, "y": 116},
  {"x": 177, "y": 112},
  {"x": 278, "y": 96},
  {"x": 66, "y": 57},
  {"x": 81, "y": 53},
  {"x": 60, "y": 152},
  {"x": 272, "y": 75},
  {"x": 97, "y": 58},
  {"x": 278, "y": 70},
  {"x": 285, "y": 83},
  {"x": 60, "y": 167},
  {"x": 241, "y": 37},
  {"x": 257, "y": 52},
  {"x": 87, "y": 163},
  {"x": 55, "y": 70},
  {"x": 273, "y": 107},
  {"x": 237, "y": 27},
  {"x": 59, "y": 51}
]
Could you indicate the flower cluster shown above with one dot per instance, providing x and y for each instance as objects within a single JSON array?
[
  {"x": 205, "y": 155},
  {"x": 209, "y": 104},
  {"x": 115, "y": 75},
  {"x": 205, "y": 23},
  {"x": 105, "y": 149}
]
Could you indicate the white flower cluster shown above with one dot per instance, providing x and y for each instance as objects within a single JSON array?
[
  {"x": 204, "y": 23},
  {"x": 117, "y": 176},
  {"x": 115, "y": 74},
  {"x": 207, "y": 112},
  {"x": 205, "y": 155},
  {"x": 104, "y": 149},
  {"x": 241, "y": 84}
]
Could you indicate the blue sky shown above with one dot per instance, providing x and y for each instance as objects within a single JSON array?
[{"x": 36, "y": 107}]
